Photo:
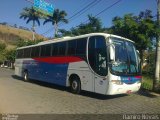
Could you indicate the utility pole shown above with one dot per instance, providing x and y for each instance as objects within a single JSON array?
[{"x": 156, "y": 82}]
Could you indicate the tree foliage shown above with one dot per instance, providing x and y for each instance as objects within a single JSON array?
[
  {"x": 57, "y": 17},
  {"x": 2, "y": 47},
  {"x": 2, "y": 52},
  {"x": 94, "y": 25},
  {"x": 141, "y": 29},
  {"x": 22, "y": 42},
  {"x": 30, "y": 14},
  {"x": 10, "y": 54}
]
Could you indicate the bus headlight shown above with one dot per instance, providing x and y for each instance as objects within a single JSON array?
[{"x": 117, "y": 82}]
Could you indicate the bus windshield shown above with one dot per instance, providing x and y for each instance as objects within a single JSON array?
[{"x": 126, "y": 58}]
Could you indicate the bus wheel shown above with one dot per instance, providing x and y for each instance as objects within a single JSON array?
[
  {"x": 25, "y": 76},
  {"x": 75, "y": 86}
]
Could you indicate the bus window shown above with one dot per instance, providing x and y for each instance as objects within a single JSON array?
[
  {"x": 43, "y": 49},
  {"x": 97, "y": 55},
  {"x": 81, "y": 47},
  {"x": 47, "y": 50},
  {"x": 62, "y": 48},
  {"x": 27, "y": 52},
  {"x": 55, "y": 49},
  {"x": 20, "y": 53},
  {"x": 35, "y": 52},
  {"x": 71, "y": 47}
]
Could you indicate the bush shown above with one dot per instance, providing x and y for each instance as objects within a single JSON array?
[
  {"x": 2, "y": 52},
  {"x": 147, "y": 82},
  {"x": 149, "y": 68},
  {"x": 2, "y": 46},
  {"x": 22, "y": 42}
]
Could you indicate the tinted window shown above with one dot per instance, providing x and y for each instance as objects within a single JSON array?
[
  {"x": 71, "y": 47},
  {"x": 48, "y": 50},
  {"x": 81, "y": 46},
  {"x": 27, "y": 52},
  {"x": 55, "y": 49},
  {"x": 20, "y": 53},
  {"x": 43, "y": 50},
  {"x": 35, "y": 51},
  {"x": 97, "y": 55},
  {"x": 62, "y": 48}
]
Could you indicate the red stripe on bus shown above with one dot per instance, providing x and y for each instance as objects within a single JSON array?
[
  {"x": 58, "y": 60},
  {"x": 138, "y": 77}
]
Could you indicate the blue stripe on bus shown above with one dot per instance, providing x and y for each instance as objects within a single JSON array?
[
  {"x": 130, "y": 80},
  {"x": 47, "y": 72}
]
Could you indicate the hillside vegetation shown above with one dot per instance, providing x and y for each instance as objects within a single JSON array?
[{"x": 10, "y": 35}]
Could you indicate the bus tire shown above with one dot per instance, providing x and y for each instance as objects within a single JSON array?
[
  {"x": 75, "y": 85},
  {"x": 25, "y": 76}
]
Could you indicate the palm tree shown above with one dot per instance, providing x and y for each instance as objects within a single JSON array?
[
  {"x": 30, "y": 14},
  {"x": 57, "y": 17}
]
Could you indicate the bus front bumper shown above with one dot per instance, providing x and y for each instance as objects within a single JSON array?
[{"x": 123, "y": 89}]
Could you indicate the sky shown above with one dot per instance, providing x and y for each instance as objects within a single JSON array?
[{"x": 10, "y": 12}]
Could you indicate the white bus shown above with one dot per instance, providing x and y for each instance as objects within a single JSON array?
[{"x": 96, "y": 62}]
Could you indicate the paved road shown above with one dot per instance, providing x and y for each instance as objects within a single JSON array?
[{"x": 17, "y": 96}]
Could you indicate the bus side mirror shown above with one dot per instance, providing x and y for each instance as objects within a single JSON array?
[
  {"x": 112, "y": 52},
  {"x": 138, "y": 52}
]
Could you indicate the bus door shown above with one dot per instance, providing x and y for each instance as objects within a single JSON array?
[{"x": 97, "y": 57}]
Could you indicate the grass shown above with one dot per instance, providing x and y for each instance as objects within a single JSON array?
[
  {"x": 147, "y": 82},
  {"x": 19, "y": 32},
  {"x": 10, "y": 36}
]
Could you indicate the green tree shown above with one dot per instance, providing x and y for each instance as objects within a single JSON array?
[
  {"x": 10, "y": 54},
  {"x": 57, "y": 17},
  {"x": 140, "y": 29},
  {"x": 94, "y": 25},
  {"x": 22, "y": 42},
  {"x": 2, "y": 52},
  {"x": 2, "y": 46},
  {"x": 30, "y": 14}
]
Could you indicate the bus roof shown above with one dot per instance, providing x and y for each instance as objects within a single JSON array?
[{"x": 68, "y": 38}]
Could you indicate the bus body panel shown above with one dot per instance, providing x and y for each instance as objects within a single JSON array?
[
  {"x": 101, "y": 84},
  {"x": 18, "y": 67},
  {"x": 47, "y": 72},
  {"x": 89, "y": 80},
  {"x": 84, "y": 73}
]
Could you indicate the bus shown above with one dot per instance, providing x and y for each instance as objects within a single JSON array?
[{"x": 97, "y": 62}]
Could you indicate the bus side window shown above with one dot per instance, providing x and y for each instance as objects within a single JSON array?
[
  {"x": 55, "y": 49},
  {"x": 35, "y": 52},
  {"x": 97, "y": 55},
  {"x": 43, "y": 49},
  {"x": 71, "y": 47},
  {"x": 20, "y": 53},
  {"x": 48, "y": 50},
  {"x": 81, "y": 47},
  {"x": 62, "y": 48},
  {"x": 27, "y": 52}
]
